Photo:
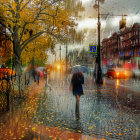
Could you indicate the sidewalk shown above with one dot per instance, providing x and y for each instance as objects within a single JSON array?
[
  {"x": 54, "y": 133},
  {"x": 100, "y": 114},
  {"x": 19, "y": 124},
  {"x": 20, "y": 121},
  {"x": 49, "y": 114}
]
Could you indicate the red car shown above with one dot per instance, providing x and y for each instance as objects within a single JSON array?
[{"x": 119, "y": 73}]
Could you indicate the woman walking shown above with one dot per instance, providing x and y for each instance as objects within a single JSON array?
[{"x": 77, "y": 89}]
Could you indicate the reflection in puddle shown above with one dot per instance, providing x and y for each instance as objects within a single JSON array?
[{"x": 117, "y": 82}]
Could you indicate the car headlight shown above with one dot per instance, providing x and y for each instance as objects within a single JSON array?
[
  {"x": 117, "y": 73},
  {"x": 125, "y": 73}
]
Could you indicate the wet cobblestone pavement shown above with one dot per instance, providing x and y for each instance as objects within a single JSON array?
[
  {"x": 100, "y": 113},
  {"x": 50, "y": 113}
]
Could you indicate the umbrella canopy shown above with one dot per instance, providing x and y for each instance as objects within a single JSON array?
[
  {"x": 39, "y": 68},
  {"x": 79, "y": 68}
]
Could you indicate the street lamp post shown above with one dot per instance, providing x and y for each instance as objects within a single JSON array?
[{"x": 99, "y": 79}]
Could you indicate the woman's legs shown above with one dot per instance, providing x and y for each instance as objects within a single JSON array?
[
  {"x": 77, "y": 107},
  {"x": 77, "y": 100}
]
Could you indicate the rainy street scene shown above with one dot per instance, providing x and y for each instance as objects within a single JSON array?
[{"x": 69, "y": 70}]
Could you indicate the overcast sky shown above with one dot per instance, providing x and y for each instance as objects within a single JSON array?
[
  {"x": 111, "y": 7},
  {"x": 109, "y": 24}
]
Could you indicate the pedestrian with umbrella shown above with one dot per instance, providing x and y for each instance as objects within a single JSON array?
[{"x": 76, "y": 87}]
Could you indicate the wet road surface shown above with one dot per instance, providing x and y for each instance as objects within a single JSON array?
[
  {"x": 50, "y": 113},
  {"x": 101, "y": 113}
]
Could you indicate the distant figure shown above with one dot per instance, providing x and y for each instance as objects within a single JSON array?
[
  {"x": 37, "y": 76},
  {"x": 45, "y": 75},
  {"x": 77, "y": 89}
]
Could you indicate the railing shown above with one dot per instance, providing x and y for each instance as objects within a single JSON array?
[{"x": 12, "y": 87}]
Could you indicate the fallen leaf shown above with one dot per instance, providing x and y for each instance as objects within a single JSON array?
[
  {"x": 90, "y": 127},
  {"x": 33, "y": 128}
]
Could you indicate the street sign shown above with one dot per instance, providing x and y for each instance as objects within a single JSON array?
[{"x": 93, "y": 49}]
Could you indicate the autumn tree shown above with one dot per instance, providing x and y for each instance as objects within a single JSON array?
[
  {"x": 5, "y": 43},
  {"x": 5, "y": 49},
  {"x": 36, "y": 50},
  {"x": 27, "y": 20}
]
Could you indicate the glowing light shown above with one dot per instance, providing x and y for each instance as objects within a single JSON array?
[
  {"x": 117, "y": 73},
  {"x": 125, "y": 72},
  {"x": 58, "y": 67},
  {"x": 117, "y": 82}
]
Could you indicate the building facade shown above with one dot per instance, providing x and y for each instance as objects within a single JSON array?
[{"x": 122, "y": 47}]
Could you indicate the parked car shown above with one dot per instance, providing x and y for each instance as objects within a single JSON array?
[{"x": 115, "y": 72}]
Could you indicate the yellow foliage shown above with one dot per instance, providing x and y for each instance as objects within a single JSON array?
[
  {"x": 31, "y": 24},
  {"x": 5, "y": 49},
  {"x": 38, "y": 15},
  {"x": 37, "y": 49}
]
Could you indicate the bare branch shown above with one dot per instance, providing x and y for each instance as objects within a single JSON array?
[
  {"x": 27, "y": 41},
  {"x": 22, "y": 31},
  {"x": 48, "y": 14},
  {"x": 56, "y": 36},
  {"x": 25, "y": 5},
  {"x": 21, "y": 1}
]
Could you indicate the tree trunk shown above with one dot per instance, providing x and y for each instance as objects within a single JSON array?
[
  {"x": 32, "y": 67},
  {"x": 17, "y": 54},
  {"x": 18, "y": 65}
]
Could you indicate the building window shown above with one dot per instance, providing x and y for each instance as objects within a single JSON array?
[
  {"x": 130, "y": 35},
  {"x": 136, "y": 41}
]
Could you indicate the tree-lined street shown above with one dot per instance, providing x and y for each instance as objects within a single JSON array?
[
  {"x": 69, "y": 70},
  {"x": 104, "y": 113}
]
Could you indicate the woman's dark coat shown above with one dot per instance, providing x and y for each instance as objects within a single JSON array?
[{"x": 77, "y": 81}]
